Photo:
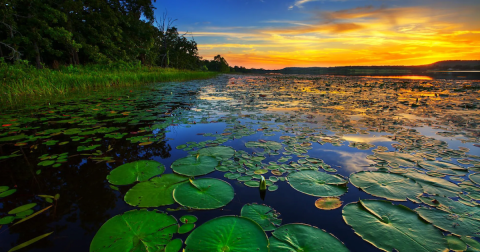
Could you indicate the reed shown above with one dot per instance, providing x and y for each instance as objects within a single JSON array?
[{"x": 21, "y": 80}]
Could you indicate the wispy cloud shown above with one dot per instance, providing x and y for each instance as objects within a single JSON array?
[{"x": 300, "y": 3}]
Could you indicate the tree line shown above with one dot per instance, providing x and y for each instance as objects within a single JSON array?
[{"x": 50, "y": 33}]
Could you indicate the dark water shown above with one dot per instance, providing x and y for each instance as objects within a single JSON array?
[{"x": 332, "y": 106}]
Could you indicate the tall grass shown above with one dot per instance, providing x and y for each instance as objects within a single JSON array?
[{"x": 21, "y": 80}]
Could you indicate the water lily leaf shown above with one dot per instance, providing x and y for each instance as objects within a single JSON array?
[
  {"x": 252, "y": 183},
  {"x": 7, "y": 220},
  {"x": 193, "y": 166},
  {"x": 129, "y": 173},
  {"x": 377, "y": 221},
  {"x": 475, "y": 178},
  {"x": 443, "y": 168},
  {"x": 265, "y": 216},
  {"x": 452, "y": 206},
  {"x": 220, "y": 152},
  {"x": 7, "y": 193},
  {"x": 136, "y": 230},
  {"x": 433, "y": 185},
  {"x": 3, "y": 188},
  {"x": 273, "y": 188},
  {"x": 268, "y": 145},
  {"x": 185, "y": 228},
  {"x": 22, "y": 208},
  {"x": 328, "y": 203},
  {"x": 474, "y": 244},
  {"x": 302, "y": 237},
  {"x": 204, "y": 193},
  {"x": 317, "y": 183},
  {"x": 13, "y": 138},
  {"x": 23, "y": 245},
  {"x": 454, "y": 223},
  {"x": 455, "y": 243},
  {"x": 156, "y": 192},
  {"x": 228, "y": 233},
  {"x": 402, "y": 159},
  {"x": 174, "y": 245},
  {"x": 188, "y": 219},
  {"x": 387, "y": 185}
]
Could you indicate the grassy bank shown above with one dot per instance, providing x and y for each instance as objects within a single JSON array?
[{"x": 22, "y": 80}]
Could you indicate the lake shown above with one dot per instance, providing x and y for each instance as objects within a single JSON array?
[{"x": 335, "y": 151}]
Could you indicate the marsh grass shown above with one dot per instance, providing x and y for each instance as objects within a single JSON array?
[{"x": 22, "y": 82}]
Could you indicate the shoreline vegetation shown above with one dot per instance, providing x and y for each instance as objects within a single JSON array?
[{"x": 21, "y": 82}]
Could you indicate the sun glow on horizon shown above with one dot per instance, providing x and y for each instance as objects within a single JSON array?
[{"x": 411, "y": 35}]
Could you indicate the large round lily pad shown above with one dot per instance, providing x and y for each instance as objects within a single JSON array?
[
  {"x": 402, "y": 159},
  {"x": 204, "y": 193},
  {"x": 219, "y": 152},
  {"x": 156, "y": 192},
  {"x": 265, "y": 216},
  {"x": 194, "y": 166},
  {"x": 390, "y": 227},
  {"x": 302, "y": 237},
  {"x": 227, "y": 233},
  {"x": 129, "y": 173},
  {"x": 136, "y": 230},
  {"x": 328, "y": 203},
  {"x": 387, "y": 185},
  {"x": 316, "y": 183}
]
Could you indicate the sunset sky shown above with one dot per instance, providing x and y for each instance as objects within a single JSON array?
[{"x": 274, "y": 34}]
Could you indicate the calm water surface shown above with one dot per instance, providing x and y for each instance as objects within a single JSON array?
[{"x": 340, "y": 120}]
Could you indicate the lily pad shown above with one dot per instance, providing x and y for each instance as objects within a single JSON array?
[
  {"x": 13, "y": 138},
  {"x": 156, "y": 192},
  {"x": 443, "y": 168},
  {"x": 451, "y": 222},
  {"x": 328, "y": 203},
  {"x": 204, "y": 193},
  {"x": 433, "y": 185},
  {"x": 402, "y": 159},
  {"x": 317, "y": 183},
  {"x": 174, "y": 245},
  {"x": 265, "y": 216},
  {"x": 390, "y": 227},
  {"x": 136, "y": 230},
  {"x": 219, "y": 152},
  {"x": 455, "y": 243},
  {"x": 22, "y": 208},
  {"x": 185, "y": 228},
  {"x": 228, "y": 233},
  {"x": 188, "y": 219},
  {"x": 302, "y": 237},
  {"x": 387, "y": 185},
  {"x": 7, "y": 193},
  {"x": 130, "y": 173},
  {"x": 475, "y": 178},
  {"x": 194, "y": 166}
]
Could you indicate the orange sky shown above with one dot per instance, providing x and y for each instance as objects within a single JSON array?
[{"x": 407, "y": 35}]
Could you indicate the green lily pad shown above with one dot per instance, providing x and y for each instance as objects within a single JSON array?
[
  {"x": 188, "y": 219},
  {"x": 194, "y": 166},
  {"x": 185, "y": 228},
  {"x": 204, "y": 193},
  {"x": 273, "y": 188},
  {"x": 390, "y": 227},
  {"x": 472, "y": 243},
  {"x": 302, "y": 237},
  {"x": 129, "y": 173},
  {"x": 268, "y": 145},
  {"x": 265, "y": 216},
  {"x": 7, "y": 193},
  {"x": 402, "y": 159},
  {"x": 228, "y": 233},
  {"x": 252, "y": 183},
  {"x": 434, "y": 185},
  {"x": 387, "y": 185},
  {"x": 174, "y": 245},
  {"x": 451, "y": 222},
  {"x": 7, "y": 220},
  {"x": 475, "y": 178},
  {"x": 136, "y": 230},
  {"x": 12, "y": 138},
  {"x": 3, "y": 188},
  {"x": 22, "y": 208},
  {"x": 156, "y": 192},
  {"x": 220, "y": 152},
  {"x": 443, "y": 168},
  {"x": 455, "y": 243},
  {"x": 317, "y": 183}
]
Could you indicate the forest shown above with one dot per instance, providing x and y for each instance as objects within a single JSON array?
[{"x": 51, "y": 34}]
